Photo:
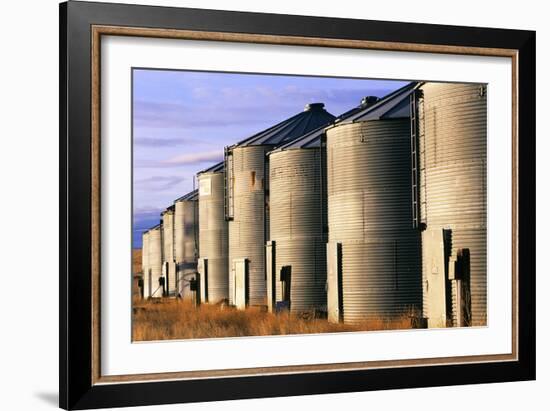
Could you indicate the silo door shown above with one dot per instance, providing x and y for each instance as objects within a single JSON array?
[
  {"x": 285, "y": 279},
  {"x": 240, "y": 268},
  {"x": 459, "y": 274},
  {"x": 270, "y": 277},
  {"x": 334, "y": 283},
  {"x": 434, "y": 277},
  {"x": 202, "y": 268}
]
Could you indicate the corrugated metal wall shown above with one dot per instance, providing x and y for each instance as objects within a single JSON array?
[
  {"x": 145, "y": 264},
  {"x": 453, "y": 159},
  {"x": 213, "y": 234},
  {"x": 297, "y": 214},
  {"x": 155, "y": 261},
  {"x": 186, "y": 234},
  {"x": 247, "y": 229},
  {"x": 169, "y": 262},
  {"x": 370, "y": 214}
]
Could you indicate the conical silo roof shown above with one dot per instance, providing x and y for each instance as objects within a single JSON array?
[
  {"x": 192, "y": 195},
  {"x": 213, "y": 169},
  {"x": 313, "y": 117},
  {"x": 152, "y": 228},
  {"x": 394, "y": 105}
]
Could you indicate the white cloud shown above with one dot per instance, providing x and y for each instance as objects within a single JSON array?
[{"x": 194, "y": 158}]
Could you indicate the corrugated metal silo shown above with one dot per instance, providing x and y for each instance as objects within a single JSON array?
[
  {"x": 246, "y": 201},
  {"x": 168, "y": 251},
  {"x": 298, "y": 231},
  {"x": 213, "y": 236},
  {"x": 145, "y": 264},
  {"x": 155, "y": 277},
  {"x": 246, "y": 230},
  {"x": 373, "y": 254},
  {"x": 452, "y": 125},
  {"x": 186, "y": 236}
]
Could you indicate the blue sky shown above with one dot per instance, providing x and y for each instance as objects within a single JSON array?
[{"x": 182, "y": 120}]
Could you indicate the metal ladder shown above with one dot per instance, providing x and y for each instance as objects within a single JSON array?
[
  {"x": 418, "y": 172},
  {"x": 414, "y": 161}
]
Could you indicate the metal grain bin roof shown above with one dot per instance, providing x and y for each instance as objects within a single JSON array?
[
  {"x": 313, "y": 117},
  {"x": 152, "y": 228},
  {"x": 308, "y": 140},
  {"x": 191, "y": 196},
  {"x": 169, "y": 208},
  {"x": 394, "y": 105},
  {"x": 213, "y": 169},
  {"x": 313, "y": 138}
]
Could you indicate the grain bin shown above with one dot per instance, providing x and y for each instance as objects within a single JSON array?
[
  {"x": 186, "y": 237},
  {"x": 298, "y": 231},
  {"x": 373, "y": 254},
  {"x": 247, "y": 206},
  {"x": 155, "y": 279},
  {"x": 452, "y": 134},
  {"x": 213, "y": 249},
  {"x": 145, "y": 268},
  {"x": 168, "y": 251}
]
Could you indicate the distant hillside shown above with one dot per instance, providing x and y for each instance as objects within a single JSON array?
[{"x": 136, "y": 261}]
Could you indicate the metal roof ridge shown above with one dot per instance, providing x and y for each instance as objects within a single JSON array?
[{"x": 188, "y": 196}]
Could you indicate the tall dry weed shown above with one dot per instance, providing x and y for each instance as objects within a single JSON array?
[{"x": 177, "y": 319}]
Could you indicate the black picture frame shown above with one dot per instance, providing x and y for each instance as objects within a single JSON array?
[{"x": 76, "y": 387}]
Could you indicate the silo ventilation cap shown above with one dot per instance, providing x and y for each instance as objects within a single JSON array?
[
  {"x": 314, "y": 106},
  {"x": 369, "y": 101}
]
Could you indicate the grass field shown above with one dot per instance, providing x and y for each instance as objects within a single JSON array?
[{"x": 177, "y": 319}]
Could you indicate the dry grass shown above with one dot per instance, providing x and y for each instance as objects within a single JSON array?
[{"x": 176, "y": 319}]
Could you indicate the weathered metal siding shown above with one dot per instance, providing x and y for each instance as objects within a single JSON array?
[
  {"x": 155, "y": 261},
  {"x": 186, "y": 227},
  {"x": 370, "y": 215},
  {"x": 145, "y": 264},
  {"x": 247, "y": 229},
  {"x": 453, "y": 159},
  {"x": 213, "y": 234},
  {"x": 169, "y": 262},
  {"x": 296, "y": 225}
]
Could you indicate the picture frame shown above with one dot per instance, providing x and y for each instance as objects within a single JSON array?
[{"x": 82, "y": 25}]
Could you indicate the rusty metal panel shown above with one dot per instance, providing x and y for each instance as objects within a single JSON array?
[
  {"x": 297, "y": 209},
  {"x": 213, "y": 238},
  {"x": 370, "y": 214},
  {"x": 453, "y": 159}
]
